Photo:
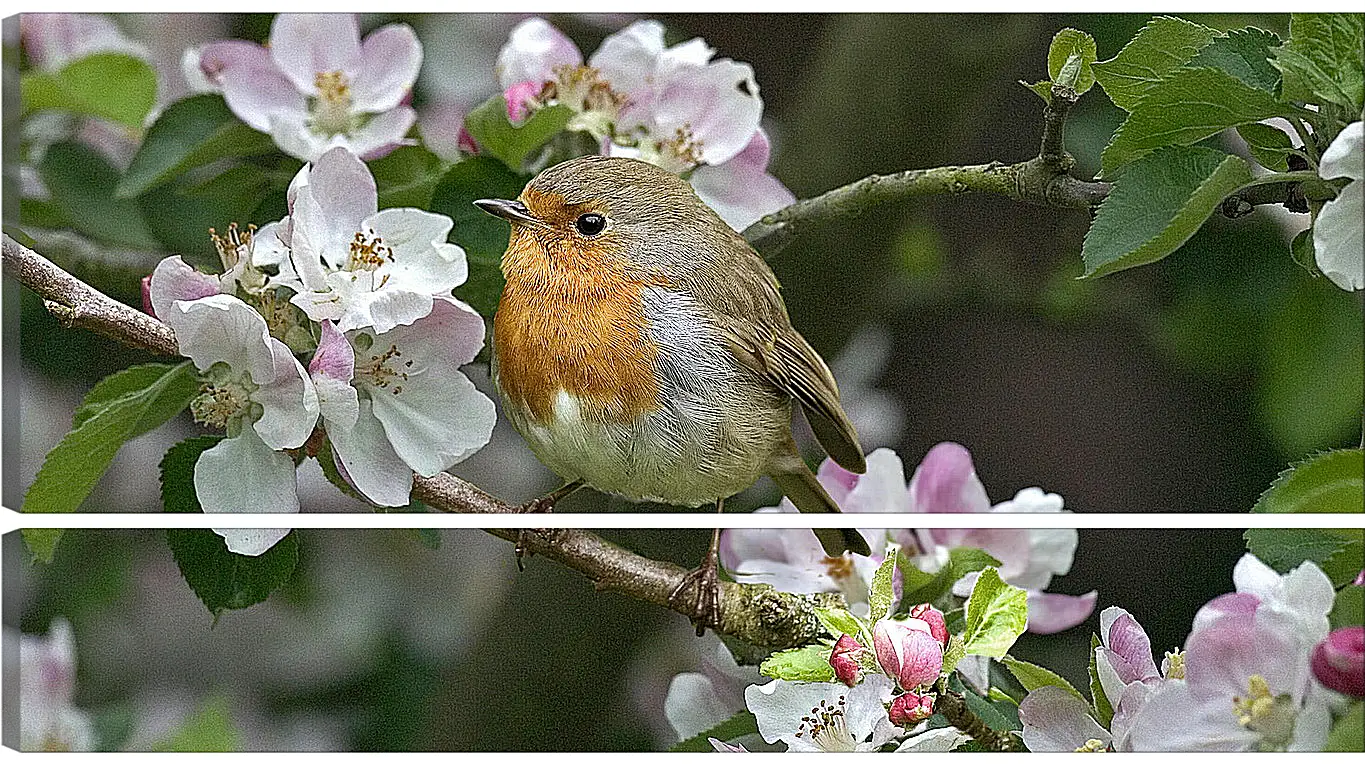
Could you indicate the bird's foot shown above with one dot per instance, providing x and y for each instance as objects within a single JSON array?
[
  {"x": 542, "y": 506},
  {"x": 698, "y": 595}
]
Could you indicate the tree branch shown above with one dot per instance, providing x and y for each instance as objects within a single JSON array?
[{"x": 953, "y": 706}]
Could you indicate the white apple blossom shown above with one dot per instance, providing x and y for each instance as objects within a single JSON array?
[
  {"x": 316, "y": 85},
  {"x": 824, "y": 717},
  {"x": 1338, "y": 242},
  {"x": 354, "y": 264},
  {"x": 53, "y": 40}
]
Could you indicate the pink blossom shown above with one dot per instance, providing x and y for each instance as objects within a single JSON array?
[
  {"x": 844, "y": 659},
  {"x": 932, "y": 616},
  {"x": 907, "y": 651},
  {"x": 1339, "y": 661},
  {"x": 910, "y": 708}
]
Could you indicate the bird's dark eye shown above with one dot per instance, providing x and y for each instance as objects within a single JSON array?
[{"x": 591, "y": 224}]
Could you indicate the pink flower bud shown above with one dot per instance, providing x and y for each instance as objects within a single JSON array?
[
  {"x": 465, "y": 143},
  {"x": 907, "y": 651},
  {"x": 908, "y": 709},
  {"x": 1339, "y": 661},
  {"x": 934, "y": 618},
  {"x": 844, "y": 659},
  {"x": 147, "y": 295},
  {"x": 1360, "y": 579},
  {"x": 521, "y": 99}
]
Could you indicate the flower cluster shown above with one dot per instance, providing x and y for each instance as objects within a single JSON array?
[
  {"x": 1245, "y": 680},
  {"x": 367, "y": 292},
  {"x": 316, "y": 85},
  {"x": 792, "y": 559},
  {"x": 48, "y": 720},
  {"x": 676, "y": 107}
]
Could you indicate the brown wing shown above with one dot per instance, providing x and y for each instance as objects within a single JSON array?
[{"x": 748, "y": 308}]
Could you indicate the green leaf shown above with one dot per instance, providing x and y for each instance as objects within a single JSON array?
[
  {"x": 996, "y": 615},
  {"x": 489, "y": 127},
  {"x": 1104, "y": 711},
  {"x": 1269, "y": 145},
  {"x": 1159, "y": 48},
  {"x": 953, "y": 654},
  {"x": 72, "y": 468},
  {"x": 177, "y": 473},
  {"x": 737, "y": 725},
  {"x": 225, "y": 580},
  {"x": 1066, "y": 44},
  {"x": 482, "y": 236},
  {"x": 1032, "y": 676},
  {"x": 180, "y": 215},
  {"x": 1348, "y": 732},
  {"x": 1348, "y": 610},
  {"x": 1332, "y": 481},
  {"x": 116, "y": 385},
  {"x": 82, "y": 184},
  {"x": 881, "y": 596},
  {"x": 920, "y": 587},
  {"x": 1244, "y": 54},
  {"x": 806, "y": 665},
  {"x": 1158, "y": 204},
  {"x": 406, "y": 177},
  {"x": 113, "y": 86},
  {"x": 1043, "y": 88},
  {"x": 839, "y": 621},
  {"x": 998, "y": 716},
  {"x": 1322, "y": 62},
  {"x": 1340, "y": 552},
  {"x": 42, "y": 543},
  {"x": 209, "y": 729},
  {"x": 191, "y": 132},
  {"x": 1188, "y": 106}
]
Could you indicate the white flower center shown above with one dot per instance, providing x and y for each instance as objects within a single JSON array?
[
  {"x": 827, "y": 728},
  {"x": 1270, "y": 716},
  {"x": 331, "y": 109}
]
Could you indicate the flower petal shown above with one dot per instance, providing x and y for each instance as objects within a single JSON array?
[
  {"x": 253, "y": 86},
  {"x": 390, "y": 59},
  {"x": 369, "y": 461},
  {"x": 627, "y": 59},
  {"x": 692, "y": 704},
  {"x": 251, "y": 541},
  {"x": 740, "y": 189},
  {"x": 438, "y": 418},
  {"x": 291, "y": 134},
  {"x": 173, "y": 280},
  {"x": 533, "y": 49},
  {"x": 304, "y": 45},
  {"x": 1056, "y": 721},
  {"x": 1338, "y": 239},
  {"x": 1049, "y": 612},
  {"x": 223, "y": 328},
  {"x": 289, "y": 401},
  {"x": 383, "y": 133},
  {"x": 713, "y": 103},
  {"x": 353, "y": 304},
  {"x": 945, "y": 482},
  {"x": 422, "y": 259},
  {"x": 935, "y": 740},
  {"x": 882, "y": 487},
  {"x": 328, "y": 210},
  {"x": 242, "y": 474}
]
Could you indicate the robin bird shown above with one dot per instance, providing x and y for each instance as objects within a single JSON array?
[{"x": 641, "y": 347}]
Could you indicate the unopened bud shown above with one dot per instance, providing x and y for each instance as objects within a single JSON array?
[
  {"x": 938, "y": 627},
  {"x": 147, "y": 295},
  {"x": 910, "y": 708},
  {"x": 844, "y": 659},
  {"x": 907, "y": 651},
  {"x": 1339, "y": 661}
]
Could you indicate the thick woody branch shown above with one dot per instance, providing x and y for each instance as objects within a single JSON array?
[{"x": 953, "y": 706}]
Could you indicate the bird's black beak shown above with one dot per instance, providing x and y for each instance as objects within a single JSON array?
[{"x": 512, "y": 210}]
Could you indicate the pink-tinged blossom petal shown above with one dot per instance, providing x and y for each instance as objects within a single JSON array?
[
  {"x": 533, "y": 50},
  {"x": 907, "y": 651},
  {"x": 367, "y": 457},
  {"x": 305, "y": 44},
  {"x": 383, "y": 133},
  {"x": 1231, "y": 604},
  {"x": 334, "y": 357},
  {"x": 222, "y": 328},
  {"x": 844, "y": 659},
  {"x": 438, "y": 418},
  {"x": 740, "y": 189},
  {"x": 938, "y": 626},
  {"x": 212, "y": 59},
  {"x": 837, "y": 481},
  {"x": 882, "y": 487},
  {"x": 243, "y": 474},
  {"x": 390, "y": 59},
  {"x": 337, "y": 194},
  {"x": 712, "y": 102},
  {"x": 53, "y": 40},
  {"x": 946, "y": 482},
  {"x": 521, "y": 99},
  {"x": 1222, "y": 657},
  {"x": 1339, "y": 661},
  {"x": 627, "y": 59},
  {"x": 331, "y": 369},
  {"x": 439, "y": 126},
  {"x": 288, "y": 400},
  {"x": 255, "y": 90},
  {"x": 1127, "y": 645},
  {"x": 1056, "y": 721},
  {"x": 251, "y": 541},
  {"x": 173, "y": 280}
]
